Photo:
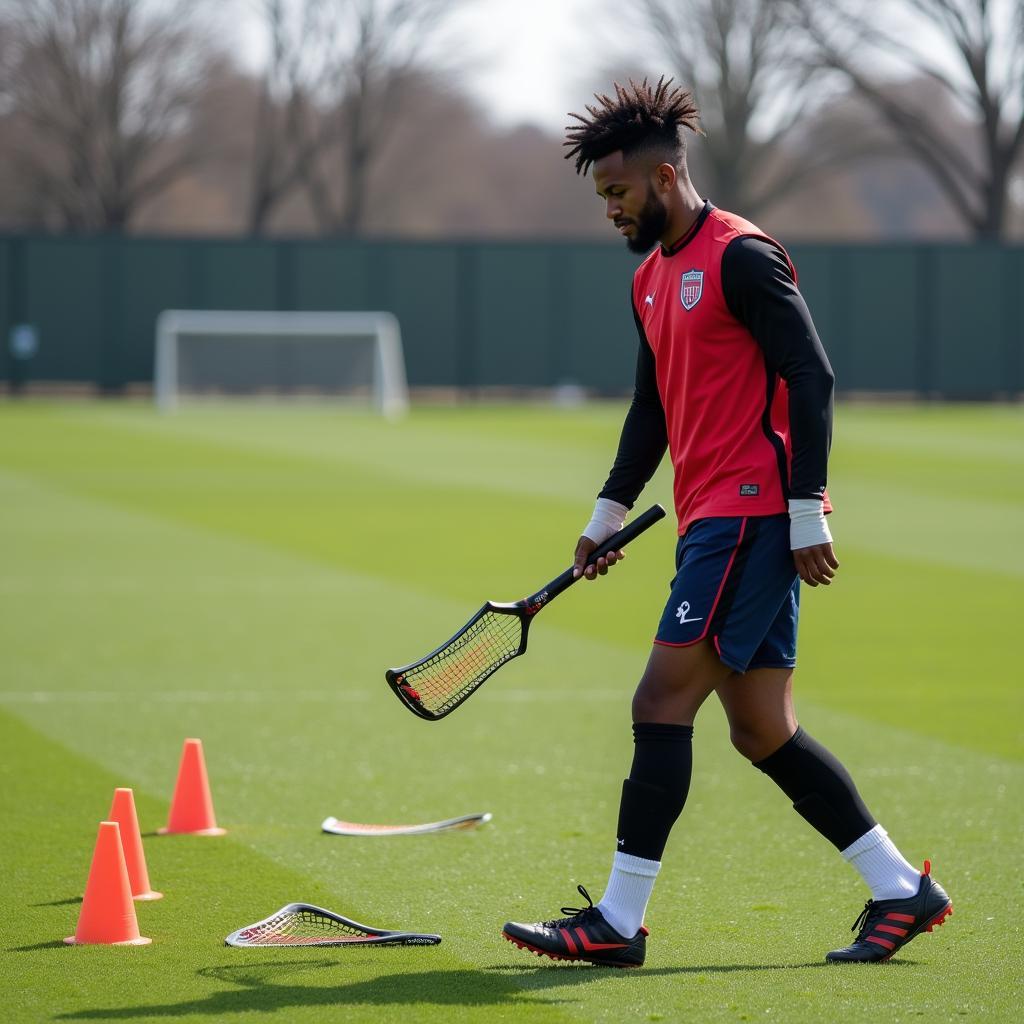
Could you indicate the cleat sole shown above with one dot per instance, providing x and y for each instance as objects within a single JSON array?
[
  {"x": 940, "y": 918},
  {"x": 558, "y": 956},
  {"x": 535, "y": 950}
]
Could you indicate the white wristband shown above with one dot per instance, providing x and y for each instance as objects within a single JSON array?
[
  {"x": 607, "y": 519},
  {"x": 807, "y": 525}
]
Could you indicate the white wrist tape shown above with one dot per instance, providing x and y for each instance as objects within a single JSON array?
[
  {"x": 807, "y": 525},
  {"x": 607, "y": 519}
]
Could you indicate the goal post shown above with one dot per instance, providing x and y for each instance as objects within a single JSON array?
[{"x": 254, "y": 352}]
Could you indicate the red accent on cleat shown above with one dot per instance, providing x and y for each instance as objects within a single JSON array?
[
  {"x": 568, "y": 939},
  {"x": 891, "y": 929},
  {"x": 645, "y": 929},
  {"x": 533, "y": 949},
  {"x": 557, "y": 956},
  {"x": 906, "y": 918},
  {"x": 927, "y": 867},
  {"x": 592, "y": 947},
  {"x": 881, "y": 942}
]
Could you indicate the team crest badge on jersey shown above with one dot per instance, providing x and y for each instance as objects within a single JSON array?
[{"x": 691, "y": 288}]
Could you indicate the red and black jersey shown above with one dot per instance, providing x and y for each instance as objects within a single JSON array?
[{"x": 731, "y": 377}]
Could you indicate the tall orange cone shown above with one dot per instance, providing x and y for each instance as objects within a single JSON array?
[
  {"x": 122, "y": 810},
  {"x": 108, "y": 913},
  {"x": 192, "y": 805}
]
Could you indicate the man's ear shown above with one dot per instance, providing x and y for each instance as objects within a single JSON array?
[{"x": 665, "y": 177}]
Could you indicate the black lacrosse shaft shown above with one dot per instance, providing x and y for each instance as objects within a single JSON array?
[{"x": 629, "y": 532}]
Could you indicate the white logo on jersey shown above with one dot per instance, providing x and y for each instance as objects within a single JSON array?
[
  {"x": 682, "y": 611},
  {"x": 650, "y": 299}
]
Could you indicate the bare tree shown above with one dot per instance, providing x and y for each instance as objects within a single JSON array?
[
  {"x": 378, "y": 59},
  {"x": 290, "y": 130},
  {"x": 103, "y": 90},
  {"x": 971, "y": 52},
  {"x": 738, "y": 56}
]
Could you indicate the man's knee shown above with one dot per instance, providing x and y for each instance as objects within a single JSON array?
[
  {"x": 651, "y": 700},
  {"x": 674, "y": 685},
  {"x": 747, "y": 739},
  {"x": 755, "y": 740}
]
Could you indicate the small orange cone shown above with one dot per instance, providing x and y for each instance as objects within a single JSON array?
[
  {"x": 108, "y": 913},
  {"x": 122, "y": 810},
  {"x": 192, "y": 805}
]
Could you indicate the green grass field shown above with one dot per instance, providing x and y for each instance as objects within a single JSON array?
[{"x": 246, "y": 575}]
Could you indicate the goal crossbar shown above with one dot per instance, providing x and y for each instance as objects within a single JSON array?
[{"x": 389, "y": 382}]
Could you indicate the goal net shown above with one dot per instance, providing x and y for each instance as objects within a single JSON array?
[{"x": 226, "y": 353}]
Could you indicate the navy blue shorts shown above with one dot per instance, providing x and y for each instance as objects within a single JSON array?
[{"x": 735, "y": 585}]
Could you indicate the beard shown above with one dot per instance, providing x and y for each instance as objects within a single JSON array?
[{"x": 650, "y": 224}]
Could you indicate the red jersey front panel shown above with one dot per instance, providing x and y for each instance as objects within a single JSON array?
[{"x": 727, "y": 416}]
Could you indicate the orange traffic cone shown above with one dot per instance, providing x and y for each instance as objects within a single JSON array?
[
  {"x": 108, "y": 914},
  {"x": 122, "y": 810},
  {"x": 192, "y": 805}
]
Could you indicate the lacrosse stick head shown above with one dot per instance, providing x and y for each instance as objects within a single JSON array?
[
  {"x": 302, "y": 924},
  {"x": 437, "y": 684}
]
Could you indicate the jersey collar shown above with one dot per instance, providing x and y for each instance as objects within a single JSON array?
[{"x": 693, "y": 229}]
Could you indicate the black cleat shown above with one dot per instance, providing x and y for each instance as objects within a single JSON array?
[
  {"x": 888, "y": 925},
  {"x": 583, "y": 935}
]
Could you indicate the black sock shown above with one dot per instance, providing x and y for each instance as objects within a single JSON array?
[
  {"x": 655, "y": 792},
  {"x": 820, "y": 787}
]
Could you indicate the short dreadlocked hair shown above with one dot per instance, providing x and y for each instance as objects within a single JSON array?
[{"x": 640, "y": 117}]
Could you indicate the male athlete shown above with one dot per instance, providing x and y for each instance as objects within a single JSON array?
[{"x": 732, "y": 379}]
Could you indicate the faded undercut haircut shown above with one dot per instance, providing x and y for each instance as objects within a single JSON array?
[{"x": 639, "y": 118}]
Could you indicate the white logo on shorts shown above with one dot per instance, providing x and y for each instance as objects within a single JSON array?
[{"x": 682, "y": 611}]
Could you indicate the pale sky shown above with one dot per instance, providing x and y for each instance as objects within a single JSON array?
[
  {"x": 535, "y": 56},
  {"x": 526, "y": 60}
]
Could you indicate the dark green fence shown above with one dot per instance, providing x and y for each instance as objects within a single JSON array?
[{"x": 933, "y": 320}]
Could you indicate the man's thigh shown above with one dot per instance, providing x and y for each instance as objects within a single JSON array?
[{"x": 676, "y": 682}]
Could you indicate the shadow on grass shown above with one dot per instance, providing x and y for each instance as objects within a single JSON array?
[
  {"x": 530, "y": 969},
  {"x": 58, "y": 903},
  {"x": 495, "y": 985},
  {"x": 258, "y": 995},
  {"x": 53, "y": 944}
]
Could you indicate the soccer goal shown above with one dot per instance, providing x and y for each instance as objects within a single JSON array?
[{"x": 227, "y": 353}]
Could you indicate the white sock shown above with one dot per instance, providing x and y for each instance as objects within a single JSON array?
[
  {"x": 629, "y": 888},
  {"x": 884, "y": 869}
]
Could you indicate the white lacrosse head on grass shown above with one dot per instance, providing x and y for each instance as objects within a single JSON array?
[{"x": 302, "y": 924}]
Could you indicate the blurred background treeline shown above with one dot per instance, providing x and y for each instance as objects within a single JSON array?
[{"x": 845, "y": 120}]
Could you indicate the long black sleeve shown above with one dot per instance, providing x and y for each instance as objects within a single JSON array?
[
  {"x": 760, "y": 292},
  {"x": 644, "y": 434}
]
